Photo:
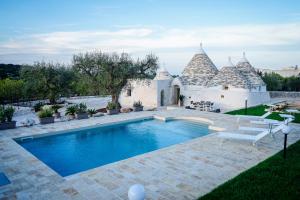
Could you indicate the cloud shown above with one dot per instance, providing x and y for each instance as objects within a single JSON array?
[{"x": 164, "y": 41}]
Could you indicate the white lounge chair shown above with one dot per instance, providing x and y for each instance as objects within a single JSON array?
[
  {"x": 255, "y": 129},
  {"x": 252, "y": 138}
]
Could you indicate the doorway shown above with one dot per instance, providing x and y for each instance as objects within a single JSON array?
[{"x": 162, "y": 98}]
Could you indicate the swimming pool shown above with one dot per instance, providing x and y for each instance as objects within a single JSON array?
[{"x": 79, "y": 150}]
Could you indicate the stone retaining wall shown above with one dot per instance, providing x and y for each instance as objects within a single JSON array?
[{"x": 282, "y": 94}]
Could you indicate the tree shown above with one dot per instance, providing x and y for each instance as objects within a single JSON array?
[
  {"x": 47, "y": 80},
  {"x": 110, "y": 72},
  {"x": 273, "y": 81},
  {"x": 10, "y": 90}
]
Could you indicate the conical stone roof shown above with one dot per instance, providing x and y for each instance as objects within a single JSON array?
[
  {"x": 249, "y": 72},
  {"x": 199, "y": 70},
  {"x": 229, "y": 75}
]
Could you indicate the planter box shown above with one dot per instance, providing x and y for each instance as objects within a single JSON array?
[
  {"x": 71, "y": 117},
  {"x": 7, "y": 125},
  {"x": 82, "y": 115},
  {"x": 112, "y": 112},
  {"x": 137, "y": 109},
  {"x": 47, "y": 120}
]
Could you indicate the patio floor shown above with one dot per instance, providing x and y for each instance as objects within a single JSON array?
[{"x": 182, "y": 171}]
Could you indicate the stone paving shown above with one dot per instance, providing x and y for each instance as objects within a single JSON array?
[{"x": 183, "y": 171}]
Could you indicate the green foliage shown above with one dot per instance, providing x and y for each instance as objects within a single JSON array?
[
  {"x": 2, "y": 114},
  {"x": 45, "y": 113},
  {"x": 71, "y": 110},
  {"x": 9, "y": 71},
  {"x": 275, "y": 82},
  {"x": 37, "y": 107},
  {"x": 81, "y": 108},
  {"x": 275, "y": 178},
  {"x": 110, "y": 72},
  {"x": 181, "y": 97},
  {"x": 11, "y": 90},
  {"x": 256, "y": 111},
  {"x": 55, "y": 108},
  {"x": 47, "y": 80},
  {"x": 6, "y": 113},
  {"x": 112, "y": 106},
  {"x": 137, "y": 104},
  {"x": 9, "y": 112},
  {"x": 91, "y": 111}
]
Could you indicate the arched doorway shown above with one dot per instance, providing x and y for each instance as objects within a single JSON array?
[
  {"x": 162, "y": 98},
  {"x": 176, "y": 94}
]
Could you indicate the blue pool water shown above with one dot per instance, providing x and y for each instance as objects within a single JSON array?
[
  {"x": 80, "y": 150},
  {"x": 3, "y": 179}
]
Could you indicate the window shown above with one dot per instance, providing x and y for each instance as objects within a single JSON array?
[
  {"x": 225, "y": 87},
  {"x": 222, "y": 96},
  {"x": 129, "y": 92}
]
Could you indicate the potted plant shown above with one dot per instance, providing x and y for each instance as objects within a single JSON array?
[
  {"x": 81, "y": 112},
  {"x": 70, "y": 111},
  {"x": 6, "y": 115},
  {"x": 55, "y": 108},
  {"x": 91, "y": 112},
  {"x": 181, "y": 100},
  {"x": 112, "y": 108},
  {"x": 138, "y": 106},
  {"x": 46, "y": 116},
  {"x": 37, "y": 107}
]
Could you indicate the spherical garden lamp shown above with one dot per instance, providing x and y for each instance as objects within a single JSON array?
[
  {"x": 285, "y": 130},
  {"x": 136, "y": 192}
]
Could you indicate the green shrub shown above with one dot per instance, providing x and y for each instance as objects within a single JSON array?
[
  {"x": 9, "y": 112},
  {"x": 37, "y": 107},
  {"x": 2, "y": 114},
  {"x": 91, "y": 111},
  {"x": 81, "y": 108},
  {"x": 45, "y": 113},
  {"x": 71, "y": 110},
  {"x": 112, "y": 106},
  {"x": 137, "y": 104},
  {"x": 55, "y": 108}
]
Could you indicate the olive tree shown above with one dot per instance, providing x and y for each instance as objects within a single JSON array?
[
  {"x": 110, "y": 72},
  {"x": 47, "y": 80}
]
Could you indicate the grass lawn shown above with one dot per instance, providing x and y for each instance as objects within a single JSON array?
[
  {"x": 256, "y": 111},
  {"x": 260, "y": 110},
  {"x": 274, "y": 178},
  {"x": 275, "y": 115}
]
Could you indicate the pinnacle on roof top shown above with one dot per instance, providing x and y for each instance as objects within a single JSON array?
[
  {"x": 201, "y": 51},
  {"x": 244, "y": 59},
  {"x": 229, "y": 64},
  {"x": 162, "y": 68}
]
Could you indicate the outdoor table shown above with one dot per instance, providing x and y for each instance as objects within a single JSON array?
[
  {"x": 285, "y": 117},
  {"x": 271, "y": 122},
  {"x": 292, "y": 111}
]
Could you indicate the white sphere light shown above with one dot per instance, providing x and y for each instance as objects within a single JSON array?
[
  {"x": 136, "y": 192},
  {"x": 286, "y": 129}
]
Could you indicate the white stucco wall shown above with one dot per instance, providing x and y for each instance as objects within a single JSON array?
[
  {"x": 144, "y": 91},
  {"x": 225, "y": 99},
  {"x": 149, "y": 93}
]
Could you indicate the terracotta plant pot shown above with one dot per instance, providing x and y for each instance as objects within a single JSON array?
[
  {"x": 7, "y": 125},
  {"x": 112, "y": 112},
  {"x": 82, "y": 115},
  {"x": 138, "y": 109},
  {"x": 47, "y": 120}
]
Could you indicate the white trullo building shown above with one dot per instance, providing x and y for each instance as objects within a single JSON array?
[{"x": 227, "y": 88}]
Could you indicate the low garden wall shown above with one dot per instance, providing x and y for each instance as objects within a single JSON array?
[{"x": 282, "y": 94}]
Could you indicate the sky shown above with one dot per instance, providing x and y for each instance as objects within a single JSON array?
[{"x": 53, "y": 30}]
